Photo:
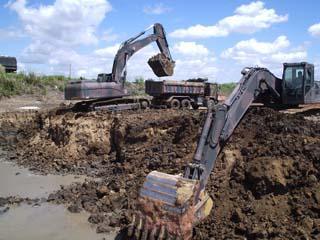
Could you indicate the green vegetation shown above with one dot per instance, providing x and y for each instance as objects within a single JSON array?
[
  {"x": 2, "y": 69},
  {"x": 136, "y": 88},
  {"x": 22, "y": 83},
  {"x": 226, "y": 88}
]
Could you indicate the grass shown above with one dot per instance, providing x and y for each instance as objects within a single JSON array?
[
  {"x": 136, "y": 88},
  {"x": 22, "y": 83},
  {"x": 226, "y": 88}
]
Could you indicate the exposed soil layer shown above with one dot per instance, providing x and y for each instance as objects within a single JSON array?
[{"x": 265, "y": 184}]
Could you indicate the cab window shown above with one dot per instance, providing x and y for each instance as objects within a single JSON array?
[{"x": 293, "y": 77}]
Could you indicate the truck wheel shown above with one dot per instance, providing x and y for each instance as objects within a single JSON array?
[
  {"x": 175, "y": 104},
  {"x": 185, "y": 104},
  {"x": 210, "y": 103},
  {"x": 195, "y": 106},
  {"x": 144, "y": 104}
]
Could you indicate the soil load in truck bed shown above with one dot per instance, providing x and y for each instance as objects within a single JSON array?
[
  {"x": 157, "y": 88},
  {"x": 265, "y": 184}
]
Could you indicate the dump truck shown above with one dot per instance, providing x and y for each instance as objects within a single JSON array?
[
  {"x": 108, "y": 92},
  {"x": 170, "y": 205},
  {"x": 193, "y": 93},
  {"x": 9, "y": 63}
]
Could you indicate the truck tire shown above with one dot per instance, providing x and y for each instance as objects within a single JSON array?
[
  {"x": 211, "y": 103},
  {"x": 185, "y": 104},
  {"x": 175, "y": 104},
  {"x": 144, "y": 104},
  {"x": 195, "y": 106}
]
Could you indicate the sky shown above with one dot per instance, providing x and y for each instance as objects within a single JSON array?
[{"x": 211, "y": 39}]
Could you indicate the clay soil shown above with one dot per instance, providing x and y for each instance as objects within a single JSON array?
[{"x": 265, "y": 184}]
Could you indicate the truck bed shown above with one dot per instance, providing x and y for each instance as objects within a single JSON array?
[{"x": 169, "y": 87}]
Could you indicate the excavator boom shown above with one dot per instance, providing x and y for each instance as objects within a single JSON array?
[
  {"x": 169, "y": 206},
  {"x": 161, "y": 64},
  {"x": 111, "y": 86}
]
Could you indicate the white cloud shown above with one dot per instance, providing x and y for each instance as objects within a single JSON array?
[
  {"x": 252, "y": 52},
  {"x": 11, "y": 32},
  {"x": 109, "y": 36},
  {"x": 56, "y": 30},
  {"x": 156, "y": 9},
  {"x": 317, "y": 71},
  {"x": 65, "y": 22},
  {"x": 190, "y": 49},
  {"x": 138, "y": 66},
  {"x": 314, "y": 30},
  {"x": 109, "y": 51},
  {"x": 283, "y": 57},
  {"x": 252, "y": 46},
  {"x": 45, "y": 58},
  {"x": 247, "y": 19},
  {"x": 195, "y": 68}
]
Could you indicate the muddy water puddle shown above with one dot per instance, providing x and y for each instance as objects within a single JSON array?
[
  {"x": 17, "y": 181},
  {"x": 44, "y": 221},
  {"x": 50, "y": 222}
]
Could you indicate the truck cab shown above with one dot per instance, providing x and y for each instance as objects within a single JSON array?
[
  {"x": 9, "y": 63},
  {"x": 298, "y": 84}
]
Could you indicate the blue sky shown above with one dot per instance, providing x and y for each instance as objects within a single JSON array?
[{"x": 213, "y": 39}]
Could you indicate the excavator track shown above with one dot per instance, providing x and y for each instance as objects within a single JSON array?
[
  {"x": 304, "y": 108},
  {"x": 112, "y": 105}
]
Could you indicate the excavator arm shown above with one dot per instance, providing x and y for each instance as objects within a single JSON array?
[
  {"x": 161, "y": 64},
  {"x": 170, "y": 205}
]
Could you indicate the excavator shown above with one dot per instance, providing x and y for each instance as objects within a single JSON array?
[
  {"x": 108, "y": 92},
  {"x": 169, "y": 206}
]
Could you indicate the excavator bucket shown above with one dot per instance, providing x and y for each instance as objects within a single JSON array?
[
  {"x": 161, "y": 65},
  {"x": 167, "y": 208}
]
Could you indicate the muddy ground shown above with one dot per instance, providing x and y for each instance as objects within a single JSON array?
[
  {"x": 51, "y": 99},
  {"x": 265, "y": 185}
]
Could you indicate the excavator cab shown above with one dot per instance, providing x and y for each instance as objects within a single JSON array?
[
  {"x": 298, "y": 85},
  {"x": 104, "y": 77}
]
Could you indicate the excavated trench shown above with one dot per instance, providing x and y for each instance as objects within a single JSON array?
[{"x": 265, "y": 184}]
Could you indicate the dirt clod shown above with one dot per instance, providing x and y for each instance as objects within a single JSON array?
[{"x": 265, "y": 184}]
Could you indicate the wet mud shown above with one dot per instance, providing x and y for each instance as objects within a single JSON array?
[{"x": 265, "y": 184}]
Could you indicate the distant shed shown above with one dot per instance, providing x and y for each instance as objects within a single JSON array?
[{"x": 9, "y": 63}]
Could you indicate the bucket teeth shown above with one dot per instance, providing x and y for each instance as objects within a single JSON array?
[
  {"x": 167, "y": 208},
  {"x": 139, "y": 228},
  {"x": 154, "y": 234},
  {"x": 131, "y": 227},
  {"x": 161, "y": 233},
  {"x": 144, "y": 235}
]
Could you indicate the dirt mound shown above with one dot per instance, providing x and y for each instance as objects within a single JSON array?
[
  {"x": 272, "y": 190},
  {"x": 265, "y": 184}
]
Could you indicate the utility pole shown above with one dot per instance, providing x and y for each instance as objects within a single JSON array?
[{"x": 70, "y": 71}]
